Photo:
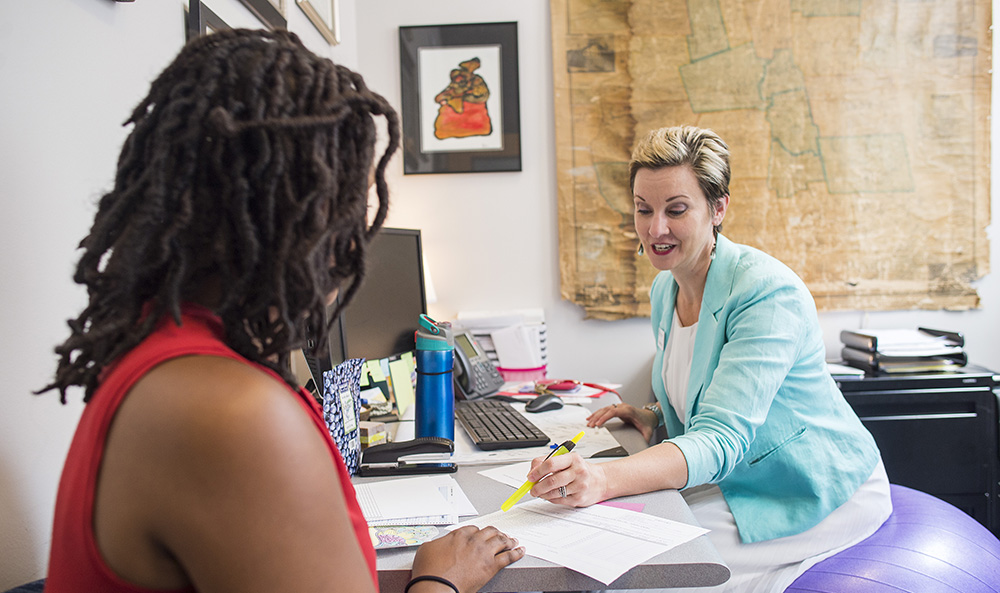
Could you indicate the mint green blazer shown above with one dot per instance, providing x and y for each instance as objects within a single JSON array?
[{"x": 764, "y": 421}]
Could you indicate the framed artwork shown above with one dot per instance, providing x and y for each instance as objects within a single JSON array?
[
  {"x": 460, "y": 103},
  {"x": 202, "y": 21},
  {"x": 323, "y": 14},
  {"x": 270, "y": 12}
]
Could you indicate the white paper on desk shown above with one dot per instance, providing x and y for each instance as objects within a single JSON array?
[
  {"x": 463, "y": 506},
  {"x": 642, "y": 526},
  {"x": 405, "y": 431},
  {"x": 410, "y": 501},
  {"x": 514, "y": 474},
  {"x": 585, "y": 544},
  {"x": 560, "y": 425}
]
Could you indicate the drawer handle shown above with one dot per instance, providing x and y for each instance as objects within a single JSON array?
[{"x": 954, "y": 416}]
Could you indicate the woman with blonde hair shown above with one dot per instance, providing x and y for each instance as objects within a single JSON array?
[{"x": 762, "y": 444}]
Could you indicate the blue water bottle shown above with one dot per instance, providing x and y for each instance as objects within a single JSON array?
[{"x": 435, "y": 390}]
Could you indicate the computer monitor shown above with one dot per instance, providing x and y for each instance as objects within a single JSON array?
[{"x": 385, "y": 312}]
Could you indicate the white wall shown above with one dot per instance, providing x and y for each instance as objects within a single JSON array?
[
  {"x": 71, "y": 70},
  {"x": 491, "y": 237}
]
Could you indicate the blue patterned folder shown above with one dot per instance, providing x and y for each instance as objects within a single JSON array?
[{"x": 341, "y": 408}]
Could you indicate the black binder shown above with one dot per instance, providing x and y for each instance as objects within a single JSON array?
[
  {"x": 874, "y": 362},
  {"x": 860, "y": 340}
]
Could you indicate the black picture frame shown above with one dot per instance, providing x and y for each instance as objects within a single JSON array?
[
  {"x": 429, "y": 57},
  {"x": 202, "y": 21},
  {"x": 268, "y": 12}
]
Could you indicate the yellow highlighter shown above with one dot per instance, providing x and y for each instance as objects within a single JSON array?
[{"x": 561, "y": 449}]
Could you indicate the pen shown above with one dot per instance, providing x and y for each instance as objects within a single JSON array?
[{"x": 566, "y": 447}]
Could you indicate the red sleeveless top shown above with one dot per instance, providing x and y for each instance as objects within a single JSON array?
[{"x": 75, "y": 563}]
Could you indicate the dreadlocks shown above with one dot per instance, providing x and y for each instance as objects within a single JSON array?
[{"x": 244, "y": 183}]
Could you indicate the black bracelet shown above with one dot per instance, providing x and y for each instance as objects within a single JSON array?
[{"x": 429, "y": 577}]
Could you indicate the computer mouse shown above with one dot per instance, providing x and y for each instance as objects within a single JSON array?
[{"x": 544, "y": 403}]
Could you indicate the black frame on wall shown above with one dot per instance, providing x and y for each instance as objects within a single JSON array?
[
  {"x": 416, "y": 159},
  {"x": 202, "y": 21}
]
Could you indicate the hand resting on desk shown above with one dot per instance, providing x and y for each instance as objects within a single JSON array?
[
  {"x": 468, "y": 557},
  {"x": 645, "y": 421}
]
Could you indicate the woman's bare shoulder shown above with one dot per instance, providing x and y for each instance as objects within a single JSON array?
[
  {"x": 208, "y": 398},
  {"x": 213, "y": 456}
]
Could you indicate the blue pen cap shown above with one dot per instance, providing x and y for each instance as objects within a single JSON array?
[{"x": 434, "y": 335}]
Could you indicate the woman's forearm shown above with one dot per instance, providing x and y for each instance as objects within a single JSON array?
[{"x": 659, "y": 467}]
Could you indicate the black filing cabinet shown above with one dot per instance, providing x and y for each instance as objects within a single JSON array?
[{"x": 937, "y": 433}]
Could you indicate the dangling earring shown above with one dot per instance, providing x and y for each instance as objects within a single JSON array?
[
  {"x": 640, "y": 250},
  {"x": 715, "y": 233}
]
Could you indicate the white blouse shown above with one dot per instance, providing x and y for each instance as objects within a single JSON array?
[{"x": 677, "y": 357}]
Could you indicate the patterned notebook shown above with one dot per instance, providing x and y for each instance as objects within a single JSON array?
[{"x": 341, "y": 407}]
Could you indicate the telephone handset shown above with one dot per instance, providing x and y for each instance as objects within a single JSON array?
[{"x": 475, "y": 374}]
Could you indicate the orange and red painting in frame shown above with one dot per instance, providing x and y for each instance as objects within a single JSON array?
[{"x": 460, "y": 99}]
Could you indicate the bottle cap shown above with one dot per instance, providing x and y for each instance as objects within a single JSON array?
[{"x": 434, "y": 335}]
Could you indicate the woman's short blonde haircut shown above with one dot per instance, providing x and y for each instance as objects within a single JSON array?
[{"x": 701, "y": 149}]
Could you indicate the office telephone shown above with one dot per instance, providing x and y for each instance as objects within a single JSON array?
[{"x": 475, "y": 374}]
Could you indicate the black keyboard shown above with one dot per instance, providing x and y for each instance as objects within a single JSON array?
[{"x": 494, "y": 424}]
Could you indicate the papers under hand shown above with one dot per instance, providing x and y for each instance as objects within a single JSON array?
[
  {"x": 513, "y": 474},
  {"x": 601, "y": 542},
  {"x": 528, "y": 485}
]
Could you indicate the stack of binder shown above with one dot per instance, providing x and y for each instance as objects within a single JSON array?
[{"x": 903, "y": 350}]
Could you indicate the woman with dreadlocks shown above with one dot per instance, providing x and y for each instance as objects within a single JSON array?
[{"x": 239, "y": 209}]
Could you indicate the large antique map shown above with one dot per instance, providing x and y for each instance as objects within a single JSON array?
[{"x": 859, "y": 133}]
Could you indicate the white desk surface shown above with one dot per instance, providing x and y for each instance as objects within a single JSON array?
[{"x": 694, "y": 564}]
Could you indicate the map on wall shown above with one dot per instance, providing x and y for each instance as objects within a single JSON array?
[{"x": 858, "y": 131}]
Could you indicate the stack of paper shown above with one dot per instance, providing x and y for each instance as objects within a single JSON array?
[
  {"x": 429, "y": 500},
  {"x": 903, "y": 350}
]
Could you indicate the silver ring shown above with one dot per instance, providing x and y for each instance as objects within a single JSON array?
[{"x": 562, "y": 491}]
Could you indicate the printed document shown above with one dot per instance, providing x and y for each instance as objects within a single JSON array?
[{"x": 601, "y": 542}]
